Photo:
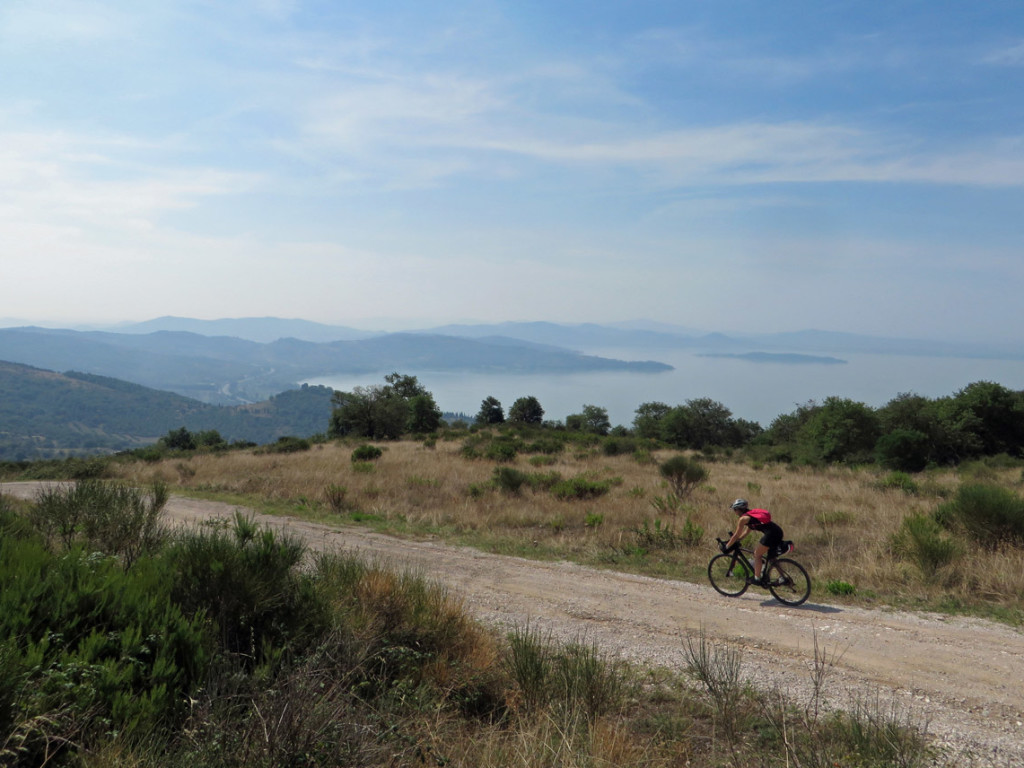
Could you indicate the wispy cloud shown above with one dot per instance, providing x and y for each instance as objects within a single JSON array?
[{"x": 1008, "y": 56}]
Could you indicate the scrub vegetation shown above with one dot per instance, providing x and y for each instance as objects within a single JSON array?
[
  {"x": 125, "y": 644},
  {"x": 231, "y": 645}
]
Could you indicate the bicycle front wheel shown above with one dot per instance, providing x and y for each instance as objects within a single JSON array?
[
  {"x": 727, "y": 575},
  {"x": 788, "y": 581}
]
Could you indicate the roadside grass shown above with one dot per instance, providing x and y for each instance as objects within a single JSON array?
[
  {"x": 844, "y": 520},
  {"x": 346, "y": 661}
]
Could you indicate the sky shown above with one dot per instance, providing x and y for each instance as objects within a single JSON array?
[{"x": 728, "y": 166}]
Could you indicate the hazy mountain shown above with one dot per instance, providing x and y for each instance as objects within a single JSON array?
[
  {"x": 44, "y": 414},
  {"x": 229, "y": 370},
  {"x": 261, "y": 329},
  {"x": 589, "y": 336}
]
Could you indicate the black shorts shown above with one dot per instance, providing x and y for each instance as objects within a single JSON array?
[{"x": 771, "y": 535}]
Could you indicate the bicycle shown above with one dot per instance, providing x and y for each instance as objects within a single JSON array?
[{"x": 730, "y": 574}]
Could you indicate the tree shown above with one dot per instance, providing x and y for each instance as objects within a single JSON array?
[
  {"x": 906, "y": 450},
  {"x": 490, "y": 412},
  {"x": 384, "y": 411},
  {"x": 999, "y": 413},
  {"x": 406, "y": 387},
  {"x": 682, "y": 474},
  {"x": 700, "y": 423},
  {"x": 840, "y": 430},
  {"x": 526, "y": 410},
  {"x": 374, "y": 412},
  {"x": 593, "y": 420},
  {"x": 424, "y": 415},
  {"x": 647, "y": 421},
  {"x": 179, "y": 440}
]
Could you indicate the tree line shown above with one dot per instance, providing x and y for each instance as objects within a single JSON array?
[{"x": 909, "y": 433}]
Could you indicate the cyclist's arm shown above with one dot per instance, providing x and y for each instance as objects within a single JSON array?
[{"x": 740, "y": 532}]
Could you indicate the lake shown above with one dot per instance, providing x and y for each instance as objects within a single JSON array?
[{"x": 757, "y": 391}]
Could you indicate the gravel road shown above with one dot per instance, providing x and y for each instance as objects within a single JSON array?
[{"x": 962, "y": 679}]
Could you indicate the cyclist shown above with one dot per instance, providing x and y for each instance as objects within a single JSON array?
[{"x": 759, "y": 520}]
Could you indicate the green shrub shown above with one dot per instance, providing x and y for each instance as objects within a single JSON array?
[
  {"x": 287, "y": 444},
  {"x": 105, "y": 648},
  {"x": 990, "y": 514},
  {"x": 335, "y": 497},
  {"x": 110, "y": 517},
  {"x": 501, "y": 450},
  {"x": 903, "y": 450},
  {"x": 900, "y": 481},
  {"x": 837, "y": 587},
  {"x": 509, "y": 479},
  {"x": 923, "y": 540},
  {"x": 657, "y": 536},
  {"x": 366, "y": 452},
  {"x": 618, "y": 446},
  {"x": 579, "y": 488},
  {"x": 246, "y": 581},
  {"x": 576, "y": 677},
  {"x": 682, "y": 474},
  {"x": 549, "y": 446}
]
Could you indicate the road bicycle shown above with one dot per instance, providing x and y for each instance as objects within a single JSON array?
[{"x": 732, "y": 571}]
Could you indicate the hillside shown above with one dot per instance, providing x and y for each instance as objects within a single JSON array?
[
  {"x": 230, "y": 371},
  {"x": 44, "y": 414}
]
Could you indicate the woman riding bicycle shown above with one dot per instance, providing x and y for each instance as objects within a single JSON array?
[{"x": 759, "y": 520}]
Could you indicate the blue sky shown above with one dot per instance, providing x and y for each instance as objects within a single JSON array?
[{"x": 730, "y": 166}]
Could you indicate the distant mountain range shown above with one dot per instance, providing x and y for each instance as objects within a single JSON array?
[
  {"x": 588, "y": 337},
  {"x": 130, "y": 384},
  {"x": 233, "y": 370},
  {"x": 46, "y": 415}
]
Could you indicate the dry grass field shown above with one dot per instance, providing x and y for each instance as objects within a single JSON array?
[{"x": 843, "y": 520}]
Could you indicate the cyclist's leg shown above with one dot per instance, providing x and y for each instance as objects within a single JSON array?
[{"x": 759, "y": 552}]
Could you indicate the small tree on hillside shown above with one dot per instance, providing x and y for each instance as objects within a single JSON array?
[
  {"x": 490, "y": 412},
  {"x": 682, "y": 475},
  {"x": 593, "y": 419},
  {"x": 526, "y": 410}
]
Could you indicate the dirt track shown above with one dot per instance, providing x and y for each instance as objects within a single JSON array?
[{"x": 962, "y": 678}]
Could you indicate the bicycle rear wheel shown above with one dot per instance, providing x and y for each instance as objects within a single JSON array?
[
  {"x": 788, "y": 581},
  {"x": 727, "y": 575}
]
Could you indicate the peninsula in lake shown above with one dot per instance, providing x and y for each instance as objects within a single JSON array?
[{"x": 785, "y": 358}]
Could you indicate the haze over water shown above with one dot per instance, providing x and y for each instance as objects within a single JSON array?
[{"x": 754, "y": 391}]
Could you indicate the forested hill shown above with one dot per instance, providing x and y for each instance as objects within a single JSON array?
[{"x": 44, "y": 414}]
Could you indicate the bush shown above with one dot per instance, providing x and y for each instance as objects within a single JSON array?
[
  {"x": 287, "y": 444},
  {"x": 501, "y": 450},
  {"x": 837, "y": 587},
  {"x": 246, "y": 582},
  {"x": 900, "y": 481},
  {"x": 110, "y": 517},
  {"x": 98, "y": 649},
  {"x": 575, "y": 676},
  {"x": 991, "y": 515},
  {"x": 617, "y": 446},
  {"x": 922, "y": 540},
  {"x": 580, "y": 488},
  {"x": 509, "y": 479},
  {"x": 905, "y": 450},
  {"x": 366, "y": 452},
  {"x": 682, "y": 474}
]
